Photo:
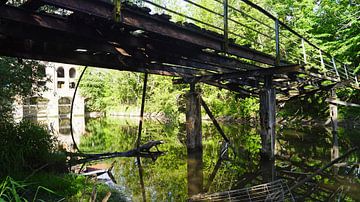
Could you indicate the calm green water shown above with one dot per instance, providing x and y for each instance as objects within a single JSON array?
[{"x": 299, "y": 151}]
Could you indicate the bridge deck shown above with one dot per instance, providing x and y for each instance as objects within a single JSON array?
[{"x": 101, "y": 34}]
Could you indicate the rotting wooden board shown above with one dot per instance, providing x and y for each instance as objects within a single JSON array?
[{"x": 343, "y": 103}]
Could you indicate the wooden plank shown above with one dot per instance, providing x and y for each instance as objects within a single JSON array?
[
  {"x": 159, "y": 26},
  {"x": 244, "y": 74},
  {"x": 37, "y": 26},
  {"x": 167, "y": 51},
  {"x": 32, "y": 5},
  {"x": 343, "y": 103},
  {"x": 233, "y": 87},
  {"x": 98, "y": 8},
  {"x": 307, "y": 93}
]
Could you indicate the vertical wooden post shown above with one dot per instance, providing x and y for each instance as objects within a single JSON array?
[
  {"x": 334, "y": 124},
  {"x": 267, "y": 118},
  {"x": 194, "y": 142}
]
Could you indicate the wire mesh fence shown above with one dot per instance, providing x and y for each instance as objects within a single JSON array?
[{"x": 274, "y": 191}]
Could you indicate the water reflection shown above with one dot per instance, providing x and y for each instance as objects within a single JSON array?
[
  {"x": 194, "y": 171},
  {"x": 168, "y": 179},
  {"x": 60, "y": 127}
]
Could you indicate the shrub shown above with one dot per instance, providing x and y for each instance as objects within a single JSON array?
[{"x": 24, "y": 147}]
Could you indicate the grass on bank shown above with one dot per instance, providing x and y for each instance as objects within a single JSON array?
[
  {"x": 55, "y": 187},
  {"x": 32, "y": 168}
]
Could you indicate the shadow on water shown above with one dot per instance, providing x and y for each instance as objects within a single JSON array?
[{"x": 182, "y": 172}]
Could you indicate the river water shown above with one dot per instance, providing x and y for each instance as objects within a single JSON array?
[{"x": 300, "y": 151}]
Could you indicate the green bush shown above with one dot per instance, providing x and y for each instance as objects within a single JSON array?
[
  {"x": 53, "y": 187},
  {"x": 24, "y": 147}
]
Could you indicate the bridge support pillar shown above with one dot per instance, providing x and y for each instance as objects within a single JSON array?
[
  {"x": 334, "y": 124},
  {"x": 194, "y": 142},
  {"x": 267, "y": 119}
]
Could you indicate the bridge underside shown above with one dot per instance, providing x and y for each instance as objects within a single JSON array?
[
  {"x": 93, "y": 33},
  {"x": 86, "y": 34}
]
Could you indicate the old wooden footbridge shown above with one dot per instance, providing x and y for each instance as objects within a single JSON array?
[{"x": 252, "y": 55}]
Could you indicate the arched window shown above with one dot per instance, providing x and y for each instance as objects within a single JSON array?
[
  {"x": 60, "y": 72},
  {"x": 72, "y": 73},
  {"x": 64, "y": 101}
]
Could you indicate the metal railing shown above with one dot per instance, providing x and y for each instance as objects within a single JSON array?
[
  {"x": 245, "y": 23},
  {"x": 273, "y": 191}
]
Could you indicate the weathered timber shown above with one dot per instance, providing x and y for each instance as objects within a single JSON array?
[
  {"x": 194, "y": 142},
  {"x": 152, "y": 24},
  {"x": 162, "y": 47},
  {"x": 233, "y": 87},
  {"x": 99, "y": 8},
  {"x": 267, "y": 118},
  {"x": 250, "y": 73},
  {"x": 57, "y": 29},
  {"x": 32, "y": 4},
  {"x": 267, "y": 169},
  {"x": 343, "y": 103},
  {"x": 308, "y": 93},
  {"x": 334, "y": 123}
]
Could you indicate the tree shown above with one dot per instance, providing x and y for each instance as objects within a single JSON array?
[{"x": 18, "y": 79}]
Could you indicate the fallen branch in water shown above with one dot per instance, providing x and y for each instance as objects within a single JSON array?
[{"x": 142, "y": 151}]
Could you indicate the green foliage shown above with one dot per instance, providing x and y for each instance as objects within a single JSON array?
[
  {"x": 71, "y": 187},
  {"x": 110, "y": 90},
  {"x": 339, "y": 30},
  {"x": 9, "y": 190},
  {"x": 67, "y": 187},
  {"x": 312, "y": 106},
  {"x": 349, "y": 95},
  {"x": 169, "y": 172},
  {"x": 24, "y": 147},
  {"x": 18, "y": 78},
  {"x": 224, "y": 103},
  {"x": 93, "y": 89},
  {"x": 12, "y": 190}
]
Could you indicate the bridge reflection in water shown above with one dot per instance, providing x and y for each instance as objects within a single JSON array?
[{"x": 180, "y": 173}]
